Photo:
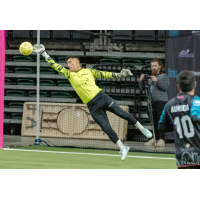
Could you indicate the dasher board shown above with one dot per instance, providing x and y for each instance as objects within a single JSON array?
[{"x": 68, "y": 120}]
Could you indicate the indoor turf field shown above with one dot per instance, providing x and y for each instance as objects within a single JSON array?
[{"x": 42, "y": 157}]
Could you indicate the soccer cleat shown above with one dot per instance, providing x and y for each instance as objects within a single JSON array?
[
  {"x": 147, "y": 133},
  {"x": 151, "y": 142},
  {"x": 160, "y": 143},
  {"x": 124, "y": 152}
]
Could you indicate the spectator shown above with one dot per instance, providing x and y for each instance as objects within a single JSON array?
[{"x": 159, "y": 84}]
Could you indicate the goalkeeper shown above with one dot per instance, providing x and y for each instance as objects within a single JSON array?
[{"x": 83, "y": 82}]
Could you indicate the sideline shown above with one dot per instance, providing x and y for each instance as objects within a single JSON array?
[{"x": 92, "y": 154}]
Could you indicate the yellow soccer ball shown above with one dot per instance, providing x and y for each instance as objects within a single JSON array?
[{"x": 26, "y": 48}]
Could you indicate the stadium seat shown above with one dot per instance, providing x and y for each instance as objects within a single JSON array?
[
  {"x": 25, "y": 82},
  {"x": 65, "y": 83},
  {"x": 62, "y": 59},
  {"x": 34, "y": 93},
  {"x": 8, "y": 81},
  {"x": 61, "y": 34},
  {"x": 45, "y": 70},
  {"x": 109, "y": 61},
  {"x": 135, "y": 62},
  {"x": 97, "y": 67},
  {"x": 61, "y": 95},
  {"x": 108, "y": 68},
  {"x": 80, "y": 35},
  {"x": 44, "y": 34},
  {"x": 45, "y": 82},
  {"x": 127, "y": 85},
  {"x": 144, "y": 35},
  {"x": 22, "y": 34},
  {"x": 122, "y": 36},
  {"x": 107, "y": 85},
  {"x": 143, "y": 109},
  {"x": 42, "y": 59},
  {"x": 19, "y": 70},
  {"x": 22, "y": 59},
  {"x": 19, "y": 93},
  {"x": 130, "y": 85},
  {"x": 16, "y": 116},
  {"x": 147, "y": 62},
  {"x": 128, "y": 88},
  {"x": 16, "y": 104},
  {"x": 114, "y": 69},
  {"x": 105, "y": 68}
]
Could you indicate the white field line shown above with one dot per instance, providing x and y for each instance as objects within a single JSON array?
[{"x": 92, "y": 154}]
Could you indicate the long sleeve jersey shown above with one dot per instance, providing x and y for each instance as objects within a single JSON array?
[
  {"x": 182, "y": 114},
  {"x": 82, "y": 81},
  {"x": 158, "y": 88}
]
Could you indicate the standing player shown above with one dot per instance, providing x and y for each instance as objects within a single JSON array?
[
  {"x": 82, "y": 80},
  {"x": 183, "y": 114}
]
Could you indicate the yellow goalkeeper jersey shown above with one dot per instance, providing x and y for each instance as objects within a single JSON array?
[{"x": 82, "y": 81}]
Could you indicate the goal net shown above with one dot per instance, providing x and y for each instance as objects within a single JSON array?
[{"x": 64, "y": 120}]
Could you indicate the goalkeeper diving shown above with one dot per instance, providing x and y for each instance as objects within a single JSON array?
[{"x": 83, "y": 82}]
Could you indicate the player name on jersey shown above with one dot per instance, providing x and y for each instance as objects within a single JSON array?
[{"x": 179, "y": 108}]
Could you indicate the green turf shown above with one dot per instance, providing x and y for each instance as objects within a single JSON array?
[{"x": 42, "y": 160}]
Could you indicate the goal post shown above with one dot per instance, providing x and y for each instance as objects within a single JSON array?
[{"x": 2, "y": 78}]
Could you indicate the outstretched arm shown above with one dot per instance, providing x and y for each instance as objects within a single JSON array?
[
  {"x": 59, "y": 68},
  {"x": 103, "y": 74}
]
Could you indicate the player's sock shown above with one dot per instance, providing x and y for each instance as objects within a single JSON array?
[
  {"x": 145, "y": 131},
  {"x": 120, "y": 145},
  {"x": 139, "y": 126}
]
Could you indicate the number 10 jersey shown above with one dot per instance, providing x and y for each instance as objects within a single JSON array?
[{"x": 182, "y": 114}]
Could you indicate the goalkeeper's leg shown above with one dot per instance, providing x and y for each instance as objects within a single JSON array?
[
  {"x": 113, "y": 107},
  {"x": 101, "y": 119}
]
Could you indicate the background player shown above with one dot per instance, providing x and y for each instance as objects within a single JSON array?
[
  {"x": 183, "y": 114},
  {"x": 82, "y": 80}
]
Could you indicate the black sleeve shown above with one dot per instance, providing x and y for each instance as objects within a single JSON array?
[{"x": 164, "y": 124}]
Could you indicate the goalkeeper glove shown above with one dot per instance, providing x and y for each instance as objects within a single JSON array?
[
  {"x": 124, "y": 73},
  {"x": 41, "y": 50}
]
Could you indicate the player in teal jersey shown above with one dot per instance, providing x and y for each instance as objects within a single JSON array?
[{"x": 83, "y": 81}]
